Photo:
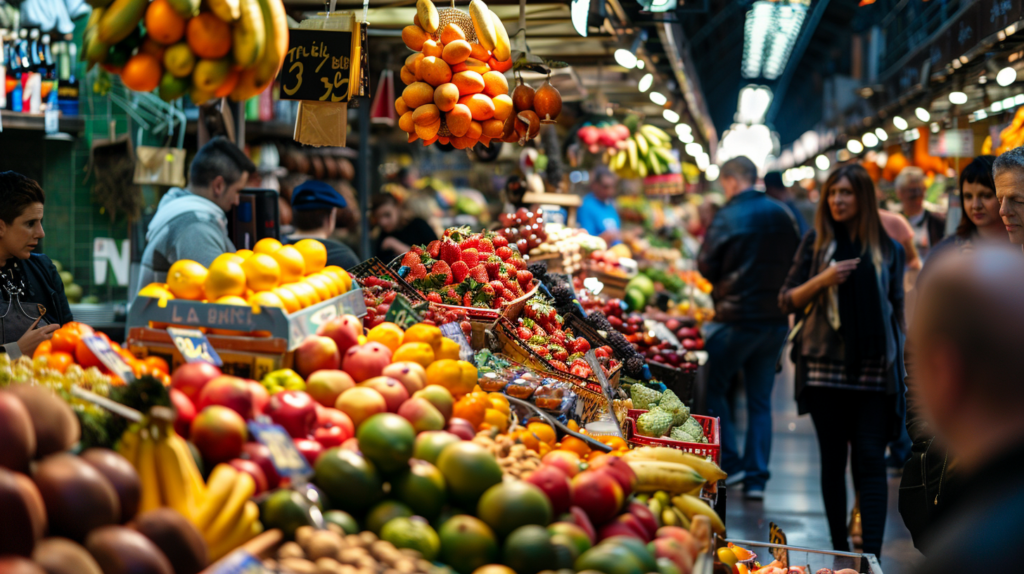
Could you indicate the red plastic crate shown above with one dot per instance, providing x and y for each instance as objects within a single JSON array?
[{"x": 713, "y": 448}]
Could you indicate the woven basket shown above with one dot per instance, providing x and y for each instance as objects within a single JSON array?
[{"x": 376, "y": 267}]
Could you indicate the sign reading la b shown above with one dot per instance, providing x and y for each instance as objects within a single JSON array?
[{"x": 105, "y": 253}]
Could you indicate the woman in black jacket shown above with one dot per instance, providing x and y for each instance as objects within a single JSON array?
[
  {"x": 32, "y": 300},
  {"x": 846, "y": 284}
]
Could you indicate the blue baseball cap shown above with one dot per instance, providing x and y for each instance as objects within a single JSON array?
[{"x": 315, "y": 194}]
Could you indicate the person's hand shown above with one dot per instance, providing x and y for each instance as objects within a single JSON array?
[
  {"x": 392, "y": 244},
  {"x": 837, "y": 272},
  {"x": 31, "y": 339}
]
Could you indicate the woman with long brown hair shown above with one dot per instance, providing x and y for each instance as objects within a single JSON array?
[{"x": 846, "y": 286}]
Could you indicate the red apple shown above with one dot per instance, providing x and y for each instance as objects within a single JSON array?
[
  {"x": 598, "y": 494},
  {"x": 344, "y": 330},
  {"x": 260, "y": 454},
  {"x": 412, "y": 375},
  {"x": 555, "y": 485},
  {"x": 190, "y": 378},
  {"x": 227, "y": 391},
  {"x": 675, "y": 551},
  {"x": 333, "y": 427},
  {"x": 567, "y": 461},
  {"x": 254, "y": 470},
  {"x": 461, "y": 428},
  {"x": 645, "y": 516},
  {"x": 619, "y": 469},
  {"x": 260, "y": 397},
  {"x": 326, "y": 385},
  {"x": 683, "y": 536},
  {"x": 309, "y": 449},
  {"x": 218, "y": 432},
  {"x": 316, "y": 353},
  {"x": 186, "y": 412},
  {"x": 293, "y": 410},
  {"x": 366, "y": 361},
  {"x": 580, "y": 518},
  {"x": 634, "y": 523},
  {"x": 392, "y": 390},
  {"x": 617, "y": 528}
]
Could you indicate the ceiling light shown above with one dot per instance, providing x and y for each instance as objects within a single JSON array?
[
  {"x": 625, "y": 58},
  {"x": 1006, "y": 76},
  {"x": 880, "y": 133},
  {"x": 753, "y": 104},
  {"x": 686, "y": 137},
  {"x": 756, "y": 142},
  {"x": 579, "y": 12},
  {"x": 996, "y": 107},
  {"x": 822, "y": 163},
  {"x": 900, "y": 123},
  {"x": 670, "y": 115},
  {"x": 1008, "y": 103},
  {"x": 869, "y": 139},
  {"x": 694, "y": 149},
  {"x": 640, "y": 64},
  {"x": 769, "y": 33},
  {"x": 683, "y": 129},
  {"x": 922, "y": 114},
  {"x": 711, "y": 174},
  {"x": 645, "y": 82},
  {"x": 935, "y": 127},
  {"x": 854, "y": 146},
  {"x": 658, "y": 98},
  {"x": 703, "y": 161},
  {"x": 957, "y": 98}
]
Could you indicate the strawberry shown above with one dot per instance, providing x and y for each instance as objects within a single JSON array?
[
  {"x": 434, "y": 297},
  {"x": 442, "y": 267},
  {"x": 492, "y": 265},
  {"x": 524, "y": 278},
  {"x": 470, "y": 242},
  {"x": 558, "y": 338},
  {"x": 503, "y": 252},
  {"x": 579, "y": 362},
  {"x": 518, "y": 263},
  {"x": 467, "y": 327},
  {"x": 543, "y": 352},
  {"x": 499, "y": 241},
  {"x": 459, "y": 271},
  {"x": 467, "y": 299},
  {"x": 509, "y": 284},
  {"x": 601, "y": 352},
  {"x": 451, "y": 294},
  {"x": 485, "y": 246},
  {"x": 471, "y": 256},
  {"x": 558, "y": 353},
  {"x": 559, "y": 365},
  {"x": 508, "y": 295},
  {"x": 479, "y": 274},
  {"x": 539, "y": 331},
  {"x": 579, "y": 345},
  {"x": 497, "y": 286},
  {"x": 498, "y": 302},
  {"x": 450, "y": 252},
  {"x": 581, "y": 371},
  {"x": 523, "y": 333},
  {"x": 417, "y": 249},
  {"x": 417, "y": 271},
  {"x": 410, "y": 259},
  {"x": 487, "y": 290},
  {"x": 434, "y": 248}
]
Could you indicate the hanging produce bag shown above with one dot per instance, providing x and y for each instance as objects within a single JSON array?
[{"x": 159, "y": 166}]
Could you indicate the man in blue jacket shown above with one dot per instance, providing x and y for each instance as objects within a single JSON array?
[
  {"x": 747, "y": 251},
  {"x": 598, "y": 214}
]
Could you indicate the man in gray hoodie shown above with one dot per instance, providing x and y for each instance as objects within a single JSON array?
[{"x": 192, "y": 223}]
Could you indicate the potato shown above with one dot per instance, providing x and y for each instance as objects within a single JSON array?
[
  {"x": 290, "y": 550},
  {"x": 298, "y": 565},
  {"x": 323, "y": 544}
]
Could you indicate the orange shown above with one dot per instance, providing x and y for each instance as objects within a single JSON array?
[
  {"x": 228, "y": 257},
  {"x": 266, "y": 245},
  {"x": 500, "y": 66},
  {"x": 151, "y": 46},
  {"x": 543, "y": 431},
  {"x": 434, "y": 70},
  {"x": 59, "y": 361},
  {"x": 289, "y": 300},
  {"x": 502, "y": 106},
  {"x": 414, "y": 37},
  {"x": 244, "y": 253},
  {"x": 333, "y": 284},
  {"x": 208, "y": 36},
  {"x": 573, "y": 444},
  {"x": 163, "y": 24},
  {"x": 230, "y": 300},
  {"x": 613, "y": 441},
  {"x": 418, "y": 93},
  {"x": 456, "y": 52},
  {"x": 306, "y": 290},
  {"x": 142, "y": 72},
  {"x": 320, "y": 285},
  {"x": 480, "y": 105},
  {"x": 495, "y": 84},
  {"x": 342, "y": 275},
  {"x": 314, "y": 254},
  {"x": 416, "y": 352},
  {"x": 458, "y": 377},
  {"x": 496, "y": 419},
  {"x": 426, "y": 115},
  {"x": 424, "y": 333},
  {"x": 468, "y": 82},
  {"x": 185, "y": 279},
  {"x": 262, "y": 272},
  {"x": 42, "y": 349},
  {"x": 479, "y": 52},
  {"x": 224, "y": 278},
  {"x": 458, "y": 119},
  {"x": 431, "y": 48},
  {"x": 449, "y": 349},
  {"x": 293, "y": 266},
  {"x": 157, "y": 364},
  {"x": 156, "y": 291},
  {"x": 446, "y": 96},
  {"x": 472, "y": 408},
  {"x": 229, "y": 84},
  {"x": 267, "y": 299},
  {"x": 387, "y": 334},
  {"x": 451, "y": 33}
]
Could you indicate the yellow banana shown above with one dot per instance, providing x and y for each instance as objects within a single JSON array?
[
  {"x": 684, "y": 522},
  {"x": 653, "y": 476},
  {"x": 486, "y": 35},
  {"x": 692, "y": 506},
  {"x": 657, "y": 133},
  {"x": 244, "y": 488},
  {"x": 129, "y": 445},
  {"x": 149, "y": 482},
  {"x": 502, "y": 46},
  {"x": 227, "y": 10},
  {"x": 709, "y": 470},
  {"x": 255, "y": 79},
  {"x": 218, "y": 489},
  {"x": 249, "y": 34},
  {"x": 641, "y": 143},
  {"x": 194, "y": 480},
  {"x": 241, "y": 532},
  {"x": 428, "y": 16},
  {"x": 173, "y": 482},
  {"x": 631, "y": 153}
]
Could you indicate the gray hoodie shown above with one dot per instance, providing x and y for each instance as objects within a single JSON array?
[{"x": 186, "y": 226}]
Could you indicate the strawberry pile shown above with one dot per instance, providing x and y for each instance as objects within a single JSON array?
[
  {"x": 540, "y": 327},
  {"x": 378, "y": 294},
  {"x": 468, "y": 270}
]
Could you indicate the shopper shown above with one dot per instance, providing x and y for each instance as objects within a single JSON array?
[
  {"x": 746, "y": 252},
  {"x": 776, "y": 190},
  {"x": 1008, "y": 171},
  {"x": 929, "y": 227},
  {"x": 846, "y": 285},
  {"x": 899, "y": 230},
  {"x": 29, "y": 282},
  {"x": 597, "y": 214},
  {"x": 980, "y": 221},
  {"x": 192, "y": 223},
  {"x": 967, "y": 339},
  {"x": 315, "y": 210},
  {"x": 396, "y": 232}
]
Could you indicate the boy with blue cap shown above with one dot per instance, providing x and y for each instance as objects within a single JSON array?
[{"x": 315, "y": 206}]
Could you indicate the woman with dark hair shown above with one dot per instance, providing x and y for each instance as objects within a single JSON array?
[
  {"x": 396, "y": 232},
  {"x": 32, "y": 300},
  {"x": 980, "y": 219},
  {"x": 846, "y": 286}
]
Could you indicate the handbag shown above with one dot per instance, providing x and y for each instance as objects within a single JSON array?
[
  {"x": 794, "y": 332},
  {"x": 159, "y": 166}
]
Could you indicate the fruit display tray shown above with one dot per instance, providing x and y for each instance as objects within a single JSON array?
[
  {"x": 377, "y": 268},
  {"x": 245, "y": 357},
  {"x": 711, "y": 426}
]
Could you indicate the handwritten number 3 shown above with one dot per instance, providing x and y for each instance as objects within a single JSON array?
[{"x": 291, "y": 91}]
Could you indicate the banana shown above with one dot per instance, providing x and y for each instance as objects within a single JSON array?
[
  {"x": 659, "y": 134},
  {"x": 663, "y": 155},
  {"x": 244, "y": 488},
  {"x": 184, "y": 8},
  {"x": 502, "y": 45},
  {"x": 241, "y": 532},
  {"x": 631, "y": 152},
  {"x": 227, "y": 10},
  {"x": 684, "y": 522},
  {"x": 120, "y": 19},
  {"x": 653, "y": 476},
  {"x": 174, "y": 488},
  {"x": 709, "y": 470},
  {"x": 641, "y": 169},
  {"x": 249, "y": 35},
  {"x": 129, "y": 445},
  {"x": 427, "y": 14},
  {"x": 149, "y": 482},
  {"x": 655, "y": 507},
  {"x": 486, "y": 35},
  {"x": 218, "y": 489},
  {"x": 194, "y": 480},
  {"x": 692, "y": 506},
  {"x": 255, "y": 79},
  {"x": 641, "y": 143}
]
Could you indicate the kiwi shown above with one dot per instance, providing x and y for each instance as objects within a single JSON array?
[
  {"x": 17, "y": 435},
  {"x": 121, "y": 550},
  {"x": 78, "y": 498},
  {"x": 122, "y": 477},
  {"x": 62, "y": 556},
  {"x": 176, "y": 537},
  {"x": 55, "y": 424}
]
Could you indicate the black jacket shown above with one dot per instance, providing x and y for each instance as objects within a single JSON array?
[
  {"x": 747, "y": 251},
  {"x": 44, "y": 286}
]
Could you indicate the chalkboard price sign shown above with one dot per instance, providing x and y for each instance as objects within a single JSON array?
[{"x": 318, "y": 66}]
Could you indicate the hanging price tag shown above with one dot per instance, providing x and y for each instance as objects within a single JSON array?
[
  {"x": 402, "y": 313},
  {"x": 109, "y": 357},
  {"x": 286, "y": 458},
  {"x": 194, "y": 346},
  {"x": 454, "y": 332}
]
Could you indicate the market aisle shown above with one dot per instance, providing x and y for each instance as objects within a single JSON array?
[{"x": 793, "y": 495}]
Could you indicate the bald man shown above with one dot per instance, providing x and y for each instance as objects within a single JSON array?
[{"x": 968, "y": 338}]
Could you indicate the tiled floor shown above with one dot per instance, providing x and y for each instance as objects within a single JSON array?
[{"x": 793, "y": 495}]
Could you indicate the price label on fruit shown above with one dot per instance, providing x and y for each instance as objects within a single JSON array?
[
  {"x": 286, "y": 458},
  {"x": 109, "y": 357},
  {"x": 454, "y": 332},
  {"x": 318, "y": 66},
  {"x": 194, "y": 346},
  {"x": 402, "y": 313}
]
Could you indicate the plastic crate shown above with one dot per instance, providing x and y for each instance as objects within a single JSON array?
[
  {"x": 812, "y": 559},
  {"x": 677, "y": 380},
  {"x": 712, "y": 431}
]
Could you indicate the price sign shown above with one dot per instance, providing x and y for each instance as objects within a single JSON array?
[
  {"x": 318, "y": 66},
  {"x": 454, "y": 332},
  {"x": 109, "y": 357},
  {"x": 662, "y": 332},
  {"x": 194, "y": 346},
  {"x": 777, "y": 536},
  {"x": 241, "y": 562},
  {"x": 286, "y": 458},
  {"x": 402, "y": 313}
]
